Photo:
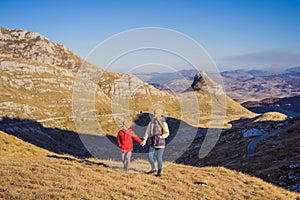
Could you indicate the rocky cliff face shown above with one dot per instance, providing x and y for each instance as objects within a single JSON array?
[
  {"x": 37, "y": 78},
  {"x": 35, "y": 47},
  {"x": 203, "y": 82},
  {"x": 34, "y": 91}
]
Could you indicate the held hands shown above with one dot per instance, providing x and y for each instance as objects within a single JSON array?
[{"x": 143, "y": 143}]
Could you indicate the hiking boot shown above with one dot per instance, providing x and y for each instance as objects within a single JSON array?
[
  {"x": 151, "y": 172},
  {"x": 159, "y": 171}
]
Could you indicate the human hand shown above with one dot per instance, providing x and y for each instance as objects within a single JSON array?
[{"x": 143, "y": 143}]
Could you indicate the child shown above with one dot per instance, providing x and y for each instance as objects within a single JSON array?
[{"x": 124, "y": 140}]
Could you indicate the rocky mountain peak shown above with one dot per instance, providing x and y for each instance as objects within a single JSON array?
[
  {"x": 18, "y": 35},
  {"x": 203, "y": 81},
  {"x": 32, "y": 46}
]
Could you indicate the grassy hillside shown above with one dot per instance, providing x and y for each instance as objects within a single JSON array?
[
  {"x": 66, "y": 177},
  {"x": 13, "y": 146}
]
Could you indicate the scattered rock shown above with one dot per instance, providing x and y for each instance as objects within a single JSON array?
[
  {"x": 282, "y": 184},
  {"x": 235, "y": 156},
  {"x": 291, "y": 175},
  {"x": 252, "y": 133},
  {"x": 241, "y": 141},
  {"x": 294, "y": 188},
  {"x": 280, "y": 125},
  {"x": 295, "y": 166},
  {"x": 277, "y": 145},
  {"x": 200, "y": 183},
  {"x": 238, "y": 136}
]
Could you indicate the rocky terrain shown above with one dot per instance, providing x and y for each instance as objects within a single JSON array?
[
  {"x": 263, "y": 146},
  {"x": 35, "y": 47}
]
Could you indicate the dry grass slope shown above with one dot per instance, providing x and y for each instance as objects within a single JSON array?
[
  {"x": 13, "y": 146},
  {"x": 66, "y": 177},
  {"x": 271, "y": 116}
]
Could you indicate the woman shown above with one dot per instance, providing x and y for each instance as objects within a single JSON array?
[{"x": 156, "y": 133}]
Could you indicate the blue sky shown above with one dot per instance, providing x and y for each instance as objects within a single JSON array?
[{"x": 236, "y": 33}]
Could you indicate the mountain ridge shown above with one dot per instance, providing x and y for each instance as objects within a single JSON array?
[
  {"x": 287, "y": 105},
  {"x": 29, "y": 67}
]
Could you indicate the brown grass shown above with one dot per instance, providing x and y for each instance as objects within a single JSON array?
[
  {"x": 13, "y": 146},
  {"x": 66, "y": 177},
  {"x": 271, "y": 116},
  {"x": 52, "y": 178}
]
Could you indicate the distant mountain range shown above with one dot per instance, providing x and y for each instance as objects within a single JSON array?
[
  {"x": 288, "y": 105},
  {"x": 240, "y": 85}
]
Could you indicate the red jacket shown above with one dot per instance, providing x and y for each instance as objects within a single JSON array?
[{"x": 124, "y": 139}]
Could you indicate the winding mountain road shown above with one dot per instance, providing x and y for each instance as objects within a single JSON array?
[{"x": 251, "y": 146}]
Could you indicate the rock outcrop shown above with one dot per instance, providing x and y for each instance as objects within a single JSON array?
[
  {"x": 252, "y": 133},
  {"x": 35, "y": 47},
  {"x": 202, "y": 81}
]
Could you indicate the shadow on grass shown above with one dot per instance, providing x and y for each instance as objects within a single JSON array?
[
  {"x": 52, "y": 139},
  {"x": 183, "y": 144},
  {"x": 86, "y": 145},
  {"x": 84, "y": 161}
]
